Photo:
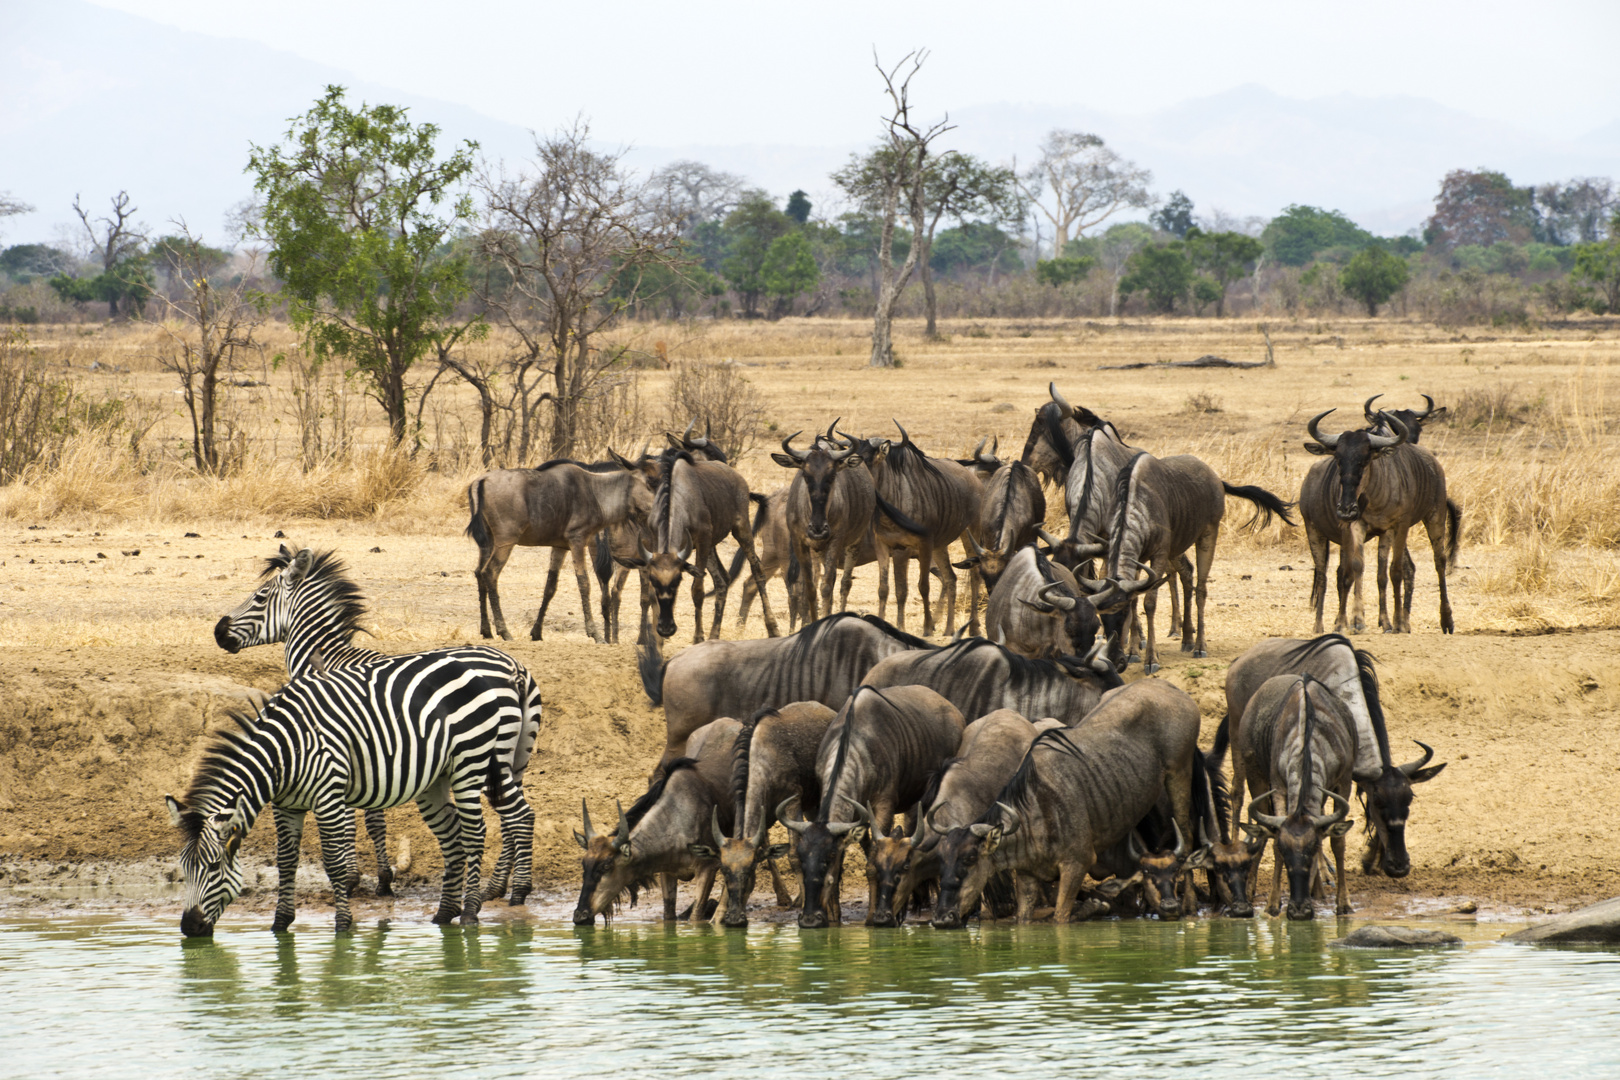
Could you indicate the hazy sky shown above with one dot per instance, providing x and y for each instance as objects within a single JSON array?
[{"x": 729, "y": 72}]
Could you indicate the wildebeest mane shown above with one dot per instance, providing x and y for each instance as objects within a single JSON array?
[
  {"x": 824, "y": 810},
  {"x": 741, "y": 752},
  {"x": 1021, "y": 670},
  {"x": 347, "y": 603},
  {"x": 661, "y": 499},
  {"x": 1210, "y": 793},
  {"x": 588, "y": 466},
  {"x": 1016, "y": 791},
  {"x": 932, "y": 785},
  {"x": 655, "y": 791},
  {"x": 905, "y": 457},
  {"x": 1366, "y": 674},
  {"x": 1122, "y": 498},
  {"x": 911, "y": 641}
]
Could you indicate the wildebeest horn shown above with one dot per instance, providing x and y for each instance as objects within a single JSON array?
[
  {"x": 903, "y": 436},
  {"x": 1322, "y": 821},
  {"x": 974, "y": 544},
  {"x": 714, "y": 823},
  {"x": 792, "y": 826},
  {"x": 764, "y": 831},
  {"x": 1060, "y": 600},
  {"x": 830, "y": 427},
  {"x": 1033, "y": 605},
  {"x": 1012, "y": 826},
  {"x": 796, "y": 455},
  {"x": 1095, "y": 660},
  {"x": 1413, "y": 766},
  {"x": 1181, "y": 841},
  {"x": 646, "y": 555},
  {"x": 1063, "y": 406},
  {"x": 686, "y": 552},
  {"x": 1401, "y": 435},
  {"x": 622, "y": 837},
  {"x": 686, "y": 436},
  {"x": 1088, "y": 551},
  {"x": 977, "y": 450},
  {"x": 1133, "y": 846},
  {"x": 585, "y": 812},
  {"x": 1367, "y": 410},
  {"x": 1140, "y": 585},
  {"x": 1329, "y": 441},
  {"x": 1426, "y": 413},
  {"x": 1270, "y": 821},
  {"x": 1047, "y": 538},
  {"x": 933, "y": 826},
  {"x": 842, "y": 828},
  {"x": 839, "y": 455}
]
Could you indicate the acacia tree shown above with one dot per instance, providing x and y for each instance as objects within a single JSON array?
[
  {"x": 1224, "y": 256},
  {"x": 349, "y": 209},
  {"x": 1080, "y": 182},
  {"x": 119, "y": 244},
  {"x": 11, "y": 206},
  {"x": 576, "y": 236}
]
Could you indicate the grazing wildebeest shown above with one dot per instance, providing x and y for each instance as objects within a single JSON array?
[
  {"x": 979, "y": 677},
  {"x": 1162, "y": 508},
  {"x": 824, "y": 662},
  {"x": 1371, "y": 485},
  {"x": 829, "y": 513},
  {"x": 698, "y": 504},
  {"x": 1351, "y": 675},
  {"x": 773, "y": 761},
  {"x": 874, "y": 760},
  {"x": 1037, "y": 609},
  {"x": 1077, "y": 792},
  {"x": 1298, "y": 742},
  {"x": 663, "y": 834}
]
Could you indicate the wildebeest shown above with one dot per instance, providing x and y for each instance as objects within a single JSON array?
[
  {"x": 1351, "y": 675},
  {"x": 829, "y": 513},
  {"x": 664, "y": 832},
  {"x": 1010, "y": 516},
  {"x": 979, "y": 677},
  {"x": 1162, "y": 508},
  {"x": 1077, "y": 792},
  {"x": 1298, "y": 742},
  {"x": 1038, "y": 609},
  {"x": 1371, "y": 485},
  {"x": 773, "y": 761},
  {"x": 775, "y": 557},
  {"x": 824, "y": 662},
  {"x": 874, "y": 760},
  {"x": 698, "y": 504},
  {"x": 562, "y": 505}
]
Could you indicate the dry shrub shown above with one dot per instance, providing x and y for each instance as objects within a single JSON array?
[
  {"x": 723, "y": 404},
  {"x": 1571, "y": 499},
  {"x": 1489, "y": 407},
  {"x": 610, "y": 415},
  {"x": 1203, "y": 402}
]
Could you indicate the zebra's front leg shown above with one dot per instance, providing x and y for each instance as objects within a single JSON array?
[
  {"x": 289, "y": 837},
  {"x": 336, "y": 825},
  {"x": 377, "y": 829}
]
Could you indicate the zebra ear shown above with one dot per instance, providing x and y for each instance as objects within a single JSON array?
[
  {"x": 175, "y": 809},
  {"x": 240, "y": 820},
  {"x": 299, "y": 566}
]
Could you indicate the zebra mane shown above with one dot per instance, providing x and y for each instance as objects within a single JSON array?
[
  {"x": 346, "y": 604},
  {"x": 221, "y": 754}
]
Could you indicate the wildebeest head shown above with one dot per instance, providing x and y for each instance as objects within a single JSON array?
[
  {"x": 982, "y": 463},
  {"x": 602, "y": 853},
  {"x": 1389, "y": 802},
  {"x": 208, "y": 862},
  {"x": 700, "y": 445},
  {"x": 964, "y": 862},
  {"x": 1299, "y": 839},
  {"x": 820, "y": 466},
  {"x": 1352, "y": 452},
  {"x": 1057, "y": 426},
  {"x": 887, "y": 864},
  {"x": 664, "y": 570},
  {"x": 1411, "y": 418},
  {"x": 1162, "y": 872},
  {"x": 991, "y": 564},
  {"x": 1112, "y": 599},
  {"x": 1080, "y": 620},
  {"x": 739, "y": 861},
  {"x": 1228, "y": 864},
  {"x": 820, "y": 847}
]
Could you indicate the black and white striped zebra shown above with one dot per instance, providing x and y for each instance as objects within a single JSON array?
[
  {"x": 308, "y": 601},
  {"x": 371, "y": 735}
]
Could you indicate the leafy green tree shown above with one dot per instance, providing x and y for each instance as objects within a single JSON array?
[
  {"x": 1175, "y": 216},
  {"x": 1300, "y": 233},
  {"x": 120, "y": 244},
  {"x": 24, "y": 262},
  {"x": 350, "y": 205},
  {"x": 1373, "y": 275},
  {"x": 1205, "y": 291},
  {"x": 975, "y": 246},
  {"x": 1163, "y": 273},
  {"x": 753, "y": 226},
  {"x": 1481, "y": 207},
  {"x": 129, "y": 282},
  {"x": 789, "y": 270},
  {"x": 798, "y": 207},
  {"x": 1600, "y": 264},
  {"x": 1224, "y": 257},
  {"x": 1064, "y": 271}
]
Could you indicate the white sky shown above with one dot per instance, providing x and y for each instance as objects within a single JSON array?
[{"x": 728, "y": 72}]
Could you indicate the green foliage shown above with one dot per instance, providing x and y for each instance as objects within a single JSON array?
[
  {"x": 1064, "y": 271},
  {"x": 1224, "y": 257},
  {"x": 1206, "y": 291},
  {"x": 789, "y": 270},
  {"x": 129, "y": 281},
  {"x": 351, "y": 210},
  {"x": 1373, "y": 275},
  {"x": 1163, "y": 273},
  {"x": 974, "y": 246},
  {"x": 24, "y": 262},
  {"x": 1599, "y": 264},
  {"x": 1299, "y": 233},
  {"x": 752, "y": 227},
  {"x": 186, "y": 254},
  {"x": 1175, "y": 216},
  {"x": 798, "y": 207}
]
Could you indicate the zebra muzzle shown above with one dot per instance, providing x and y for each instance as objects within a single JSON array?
[{"x": 222, "y": 635}]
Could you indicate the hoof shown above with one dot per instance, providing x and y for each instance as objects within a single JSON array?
[
  {"x": 1152, "y": 669},
  {"x": 469, "y": 920},
  {"x": 1131, "y": 658},
  {"x": 445, "y": 916},
  {"x": 1200, "y": 654},
  {"x": 343, "y": 926},
  {"x": 1343, "y": 909},
  {"x": 279, "y": 926},
  {"x": 519, "y": 898}
]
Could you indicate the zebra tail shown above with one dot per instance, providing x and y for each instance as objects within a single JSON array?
[
  {"x": 476, "y": 527},
  {"x": 1453, "y": 533},
  {"x": 1267, "y": 502},
  {"x": 650, "y": 662}
]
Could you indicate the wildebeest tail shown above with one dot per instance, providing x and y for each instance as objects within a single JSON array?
[
  {"x": 1453, "y": 533},
  {"x": 476, "y": 527},
  {"x": 1223, "y": 738},
  {"x": 650, "y": 662},
  {"x": 1267, "y": 503},
  {"x": 737, "y": 560},
  {"x": 1209, "y": 796},
  {"x": 893, "y": 514},
  {"x": 602, "y": 559}
]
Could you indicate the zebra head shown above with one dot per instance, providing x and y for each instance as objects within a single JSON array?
[{"x": 208, "y": 861}]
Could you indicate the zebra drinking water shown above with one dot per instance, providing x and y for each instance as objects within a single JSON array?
[
  {"x": 308, "y": 601},
  {"x": 374, "y": 734}
]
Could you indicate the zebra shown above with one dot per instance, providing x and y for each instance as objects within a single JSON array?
[
  {"x": 308, "y": 601},
  {"x": 422, "y": 727}
]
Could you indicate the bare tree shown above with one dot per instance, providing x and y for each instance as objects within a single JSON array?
[
  {"x": 575, "y": 236},
  {"x": 114, "y": 239},
  {"x": 217, "y": 319},
  {"x": 11, "y": 206},
  {"x": 693, "y": 193},
  {"x": 1083, "y": 183}
]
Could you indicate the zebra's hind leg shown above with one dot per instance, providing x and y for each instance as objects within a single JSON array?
[
  {"x": 440, "y": 816},
  {"x": 377, "y": 829},
  {"x": 336, "y": 824},
  {"x": 289, "y": 835},
  {"x": 470, "y": 813}
]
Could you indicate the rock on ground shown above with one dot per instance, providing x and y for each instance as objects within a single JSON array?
[
  {"x": 1599, "y": 923},
  {"x": 1394, "y": 937}
]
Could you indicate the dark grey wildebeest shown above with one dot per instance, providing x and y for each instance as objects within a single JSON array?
[
  {"x": 562, "y": 505},
  {"x": 663, "y": 834},
  {"x": 1298, "y": 742},
  {"x": 1386, "y": 788},
  {"x": 1372, "y": 485},
  {"x": 874, "y": 761},
  {"x": 775, "y": 556},
  {"x": 773, "y": 762},
  {"x": 824, "y": 662},
  {"x": 1010, "y": 516},
  {"x": 1078, "y": 792},
  {"x": 698, "y": 504},
  {"x": 1162, "y": 507},
  {"x": 829, "y": 514},
  {"x": 1039, "y": 610},
  {"x": 979, "y": 677}
]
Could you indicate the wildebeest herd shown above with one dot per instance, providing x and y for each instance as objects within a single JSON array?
[{"x": 1008, "y": 772}]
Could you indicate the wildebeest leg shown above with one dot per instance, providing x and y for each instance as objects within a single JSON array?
[
  {"x": 697, "y": 601},
  {"x": 745, "y": 539},
  {"x": 784, "y": 899},
  {"x": 925, "y": 567},
  {"x": 1349, "y": 571},
  {"x": 1181, "y": 613},
  {"x": 1342, "y": 901},
  {"x": 849, "y": 579},
  {"x": 1206, "y": 558},
  {"x": 973, "y": 602},
  {"x": 1071, "y": 875},
  {"x": 1318, "y": 542},
  {"x": 1027, "y": 892},
  {"x": 829, "y": 578},
  {"x": 1435, "y": 526},
  {"x": 704, "y": 886},
  {"x": 1384, "y": 543},
  {"x": 489, "y": 574},
  {"x": 942, "y": 559},
  {"x": 581, "y": 563},
  {"x": 1150, "y": 655},
  {"x": 902, "y": 560},
  {"x": 557, "y": 556},
  {"x": 1398, "y": 555},
  {"x": 1358, "y": 611},
  {"x": 717, "y": 574},
  {"x": 611, "y": 599},
  {"x": 667, "y": 885},
  {"x": 1136, "y": 637}
]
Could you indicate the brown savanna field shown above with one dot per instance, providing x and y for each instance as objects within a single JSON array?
[{"x": 110, "y": 678}]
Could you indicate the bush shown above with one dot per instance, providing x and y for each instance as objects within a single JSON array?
[
  {"x": 724, "y": 405},
  {"x": 36, "y": 407}
]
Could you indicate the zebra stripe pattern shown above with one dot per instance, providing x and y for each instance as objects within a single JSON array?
[
  {"x": 308, "y": 601},
  {"x": 371, "y": 735}
]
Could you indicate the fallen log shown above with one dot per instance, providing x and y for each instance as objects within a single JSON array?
[{"x": 1208, "y": 360}]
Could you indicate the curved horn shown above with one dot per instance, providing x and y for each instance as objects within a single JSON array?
[
  {"x": 903, "y": 436},
  {"x": 974, "y": 544},
  {"x": 1010, "y": 821},
  {"x": 830, "y": 427},
  {"x": 978, "y": 450},
  {"x": 585, "y": 812},
  {"x": 646, "y": 555},
  {"x": 835, "y": 456},
  {"x": 714, "y": 823},
  {"x": 1329, "y": 441},
  {"x": 1181, "y": 841},
  {"x": 1034, "y": 605},
  {"x": 1322, "y": 821},
  {"x": 933, "y": 826},
  {"x": 622, "y": 837},
  {"x": 1141, "y": 585},
  {"x": 1270, "y": 821},
  {"x": 796, "y": 455},
  {"x": 1095, "y": 660},
  {"x": 686, "y": 436},
  {"x": 686, "y": 552},
  {"x": 1047, "y": 538},
  {"x": 1063, "y": 406},
  {"x": 1367, "y": 409},
  {"x": 1426, "y": 413},
  {"x": 1401, "y": 435},
  {"x": 792, "y": 826},
  {"x": 843, "y": 827},
  {"x": 1133, "y": 846},
  {"x": 1088, "y": 551},
  {"x": 1413, "y": 766},
  {"x": 1060, "y": 600}
]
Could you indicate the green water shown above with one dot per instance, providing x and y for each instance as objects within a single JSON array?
[{"x": 127, "y": 997}]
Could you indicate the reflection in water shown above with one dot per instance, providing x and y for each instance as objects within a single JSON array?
[{"x": 1215, "y": 997}]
